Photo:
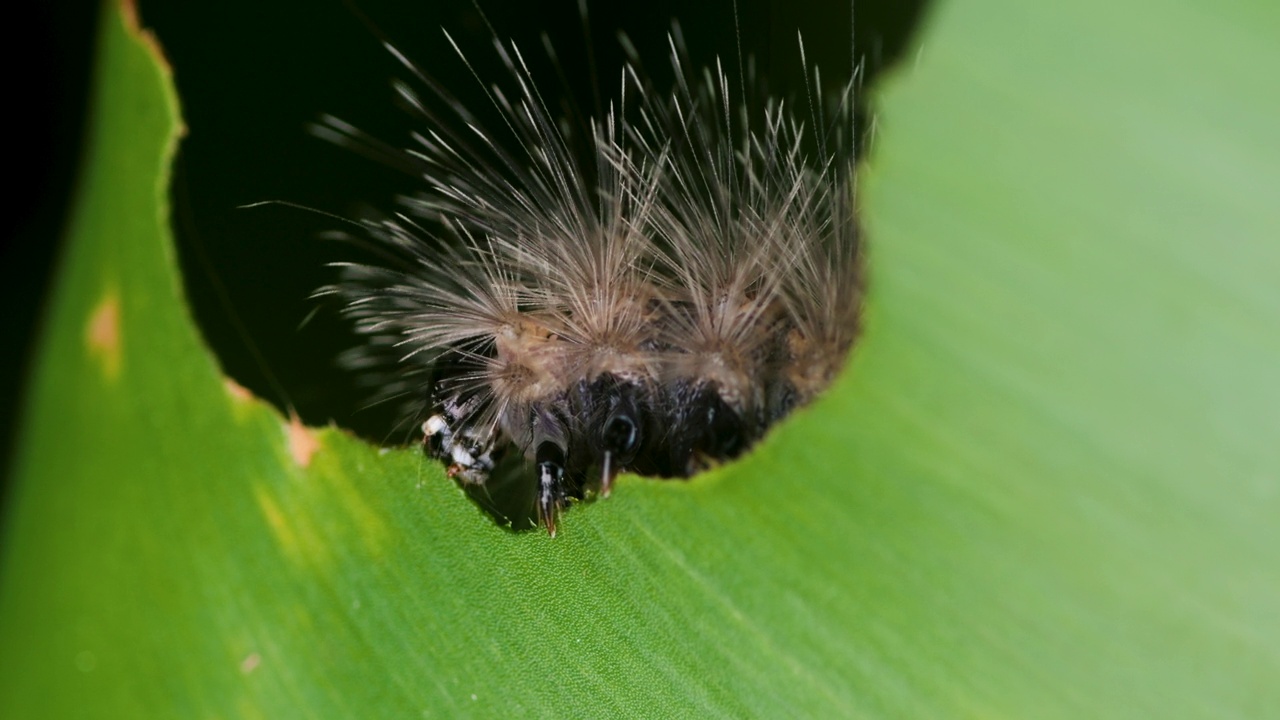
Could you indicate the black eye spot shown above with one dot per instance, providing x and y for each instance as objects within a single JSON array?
[{"x": 621, "y": 435}]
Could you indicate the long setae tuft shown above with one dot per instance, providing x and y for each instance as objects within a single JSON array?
[{"x": 649, "y": 295}]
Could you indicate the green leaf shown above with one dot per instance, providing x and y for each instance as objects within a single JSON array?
[{"x": 1048, "y": 485}]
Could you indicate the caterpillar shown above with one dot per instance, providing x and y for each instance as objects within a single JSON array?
[{"x": 646, "y": 290}]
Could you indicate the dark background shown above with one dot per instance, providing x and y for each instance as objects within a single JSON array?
[
  {"x": 47, "y": 57},
  {"x": 253, "y": 74}
]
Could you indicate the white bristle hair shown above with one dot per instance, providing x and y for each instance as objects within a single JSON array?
[{"x": 651, "y": 304}]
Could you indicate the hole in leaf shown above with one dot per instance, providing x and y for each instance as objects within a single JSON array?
[{"x": 252, "y": 77}]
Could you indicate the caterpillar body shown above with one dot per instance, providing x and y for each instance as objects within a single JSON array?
[{"x": 646, "y": 292}]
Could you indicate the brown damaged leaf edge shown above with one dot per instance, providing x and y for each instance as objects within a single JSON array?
[
  {"x": 301, "y": 439},
  {"x": 303, "y": 443},
  {"x": 133, "y": 24}
]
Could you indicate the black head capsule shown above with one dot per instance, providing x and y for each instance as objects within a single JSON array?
[
  {"x": 615, "y": 411},
  {"x": 706, "y": 430},
  {"x": 724, "y": 436},
  {"x": 619, "y": 443}
]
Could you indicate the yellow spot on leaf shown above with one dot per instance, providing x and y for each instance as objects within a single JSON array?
[
  {"x": 365, "y": 522},
  {"x": 102, "y": 334},
  {"x": 293, "y": 531},
  {"x": 277, "y": 521}
]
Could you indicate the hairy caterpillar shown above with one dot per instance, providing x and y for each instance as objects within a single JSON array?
[{"x": 646, "y": 292}]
